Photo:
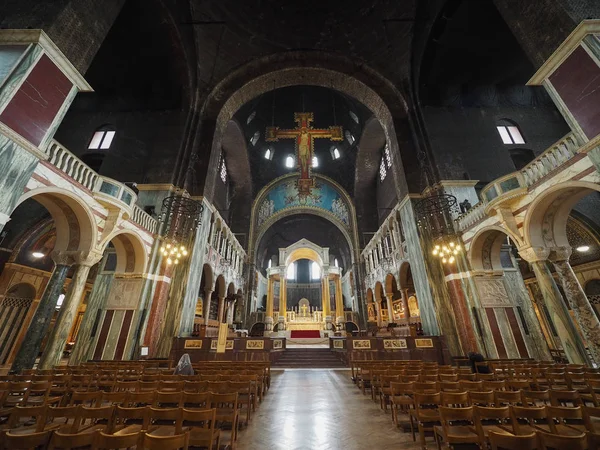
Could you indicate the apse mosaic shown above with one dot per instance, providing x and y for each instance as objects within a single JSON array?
[{"x": 285, "y": 195}]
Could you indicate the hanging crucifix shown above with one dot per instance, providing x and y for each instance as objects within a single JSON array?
[{"x": 304, "y": 135}]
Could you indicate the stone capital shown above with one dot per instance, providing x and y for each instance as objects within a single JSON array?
[
  {"x": 534, "y": 254},
  {"x": 559, "y": 254},
  {"x": 61, "y": 258}
]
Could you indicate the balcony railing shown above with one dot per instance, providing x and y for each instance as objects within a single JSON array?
[
  {"x": 516, "y": 183},
  {"x": 105, "y": 190}
]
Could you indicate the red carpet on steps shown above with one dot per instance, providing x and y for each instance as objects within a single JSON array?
[{"x": 305, "y": 334}]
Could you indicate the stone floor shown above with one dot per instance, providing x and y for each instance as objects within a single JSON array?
[{"x": 321, "y": 409}]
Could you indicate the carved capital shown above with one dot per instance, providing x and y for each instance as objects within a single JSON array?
[
  {"x": 64, "y": 258},
  {"x": 533, "y": 254},
  {"x": 89, "y": 258},
  {"x": 558, "y": 254}
]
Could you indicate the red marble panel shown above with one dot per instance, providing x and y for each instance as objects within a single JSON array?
[
  {"x": 103, "y": 334},
  {"x": 123, "y": 335},
  {"x": 497, "y": 335},
  {"x": 577, "y": 81},
  {"x": 37, "y": 102},
  {"x": 516, "y": 331},
  {"x": 464, "y": 325}
]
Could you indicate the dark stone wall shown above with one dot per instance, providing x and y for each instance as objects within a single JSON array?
[
  {"x": 144, "y": 148},
  {"x": 386, "y": 196},
  {"x": 77, "y": 27},
  {"x": 466, "y": 141}
]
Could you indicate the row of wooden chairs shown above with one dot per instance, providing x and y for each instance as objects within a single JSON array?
[{"x": 97, "y": 441}]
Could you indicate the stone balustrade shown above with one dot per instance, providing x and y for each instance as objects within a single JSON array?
[
  {"x": 386, "y": 248},
  {"x": 515, "y": 183},
  {"x": 106, "y": 190}
]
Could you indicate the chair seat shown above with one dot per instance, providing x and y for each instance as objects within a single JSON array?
[
  {"x": 570, "y": 430},
  {"x": 425, "y": 415},
  {"x": 128, "y": 429},
  {"x": 199, "y": 436},
  {"x": 496, "y": 429}
]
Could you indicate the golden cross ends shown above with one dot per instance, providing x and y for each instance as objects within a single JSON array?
[{"x": 304, "y": 135}]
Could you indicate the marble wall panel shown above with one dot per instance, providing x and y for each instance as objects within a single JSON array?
[
  {"x": 18, "y": 73},
  {"x": 124, "y": 293},
  {"x": 16, "y": 167},
  {"x": 492, "y": 291},
  {"x": 123, "y": 335},
  {"x": 419, "y": 271},
  {"x": 577, "y": 81},
  {"x": 507, "y": 332},
  {"x": 9, "y": 56},
  {"x": 516, "y": 332},
  {"x": 496, "y": 332},
  {"x": 197, "y": 259},
  {"x": 104, "y": 329},
  {"x": 34, "y": 106},
  {"x": 113, "y": 334}
]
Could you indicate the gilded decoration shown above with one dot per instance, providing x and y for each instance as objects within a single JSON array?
[
  {"x": 361, "y": 344},
  {"x": 193, "y": 343},
  {"x": 338, "y": 343},
  {"x": 277, "y": 343},
  {"x": 394, "y": 344},
  {"x": 423, "y": 343},
  {"x": 255, "y": 344}
]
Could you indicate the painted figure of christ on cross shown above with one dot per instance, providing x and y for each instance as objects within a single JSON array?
[{"x": 304, "y": 135}]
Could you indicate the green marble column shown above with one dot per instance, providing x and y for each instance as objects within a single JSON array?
[
  {"x": 567, "y": 333},
  {"x": 206, "y": 305},
  {"x": 59, "y": 334},
  {"x": 585, "y": 315},
  {"x": 40, "y": 322}
]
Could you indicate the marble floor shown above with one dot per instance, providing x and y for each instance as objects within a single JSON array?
[{"x": 320, "y": 409}]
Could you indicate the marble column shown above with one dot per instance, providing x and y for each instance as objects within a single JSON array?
[
  {"x": 585, "y": 315},
  {"x": 96, "y": 302},
  {"x": 567, "y": 333},
  {"x": 339, "y": 301},
  {"x": 59, "y": 334},
  {"x": 379, "y": 311},
  {"x": 269, "y": 311},
  {"x": 230, "y": 307},
  {"x": 326, "y": 298},
  {"x": 283, "y": 298},
  {"x": 27, "y": 354},
  {"x": 206, "y": 306},
  {"x": 220, "y": 316}
]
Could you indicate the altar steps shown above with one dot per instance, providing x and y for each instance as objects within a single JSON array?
[{"x": 309, "y": 358}]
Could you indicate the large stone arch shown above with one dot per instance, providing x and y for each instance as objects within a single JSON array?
[
  {"x": 76, "y": 228},
  {"x": 545, "y": 223},
  {"x": 300, "y": 68},
  {"x": 484, "y": 251},
  {"x": 131, "y": 251}
]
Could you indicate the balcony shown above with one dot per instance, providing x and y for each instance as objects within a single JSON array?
[
  {"x": 518, "y": 183},
  {"x": 108, "y": 192}
]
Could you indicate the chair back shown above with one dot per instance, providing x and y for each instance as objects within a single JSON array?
[
  {"x": 177, "y": 442},
  {"x": 501, "y": 441},
  {"x": 556, "y": 441}
]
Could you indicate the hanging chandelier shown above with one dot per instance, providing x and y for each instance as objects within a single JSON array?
[
  {"x": 180, "y": 217},
  {"x": 435, "y": 220}
]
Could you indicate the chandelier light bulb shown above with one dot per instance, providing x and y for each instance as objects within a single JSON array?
[
  {"x": 169, "y": 261},
  {"x": 455, "y": 252},
  {"x": 176, "y": 261},
  {"x": 437, "y": 247},
  {"x": 162, "y": 249},
  {"x": 178, "y": 255},
  {"x": 451, "y": 244},
  {"x": 185, "y": 253},
  {"x": 451, "y": 260},
  {"x": 182, "y": 248},
  {"x": 168, "y": 245},
  {"x": 444, "y": 260},
  {"x": 457, "y": 248},
  {"x": 435, "y": 252}
]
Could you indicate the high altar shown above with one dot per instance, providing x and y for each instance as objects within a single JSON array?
[{"x": 304, "y": 318}]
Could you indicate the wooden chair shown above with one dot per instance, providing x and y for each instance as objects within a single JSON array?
[
  {"x": 385, "y": 389},
  {"x": 27, "y": 419},
  {"x": 168, "y": 399},
  {"x": 495, "y": 385},
  {"x": 86, "y": 398},
  {"x": 565, "y": 420},
  {"x": 455, "y": 399},
  {"x": 114, "y": 398},
  {"x": 89, "y": 420},
  {"x": 174, "y": 385},
  {"x": 202, "y": 427},
  {"x": 196, "y": 400},
  {"x": 400, "y": 398},
  {"x": 481, "y": 398},
  {"x": 131, "y": 386},
  {"x": 137, "y": 399},
  {"x": 517, "y": 385},
  {"x": 69, "y": 441},
  {"x": 426, "y": 387},
  {"x": 503, "y": 398},
  {"x": 425, "y": 414},
  {"x": 25, "y": 441},
  {"x": 502, "y": 441},
  {"x": 103, "y": 441},
  {"x": 130, "y": 420},
  {"x": 565, "y": 398},
  {"x": 449, "y": 386},
  {"x": 535, "y": 398},
  {"x": 529, "y": 419},
  {"x": 177, "y": 442},
  {"x": 195, "y": 386},
  {"x": 226, "y": 406},
  {"x": 60, "y": 417},
  {"x": 559, "y": 442},
  {"x": 466, "y": 385},
  {"x": 16, "y": 392},
  {"x": 164, "y": 421},
  {"x": 457, "y": 427},
  {"x": 492, "y": 419}
]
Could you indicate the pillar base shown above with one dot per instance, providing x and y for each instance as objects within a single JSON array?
[{"x": 268, "y": 324}]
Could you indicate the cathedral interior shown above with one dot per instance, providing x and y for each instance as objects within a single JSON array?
[{"x": 299, "y": 185}]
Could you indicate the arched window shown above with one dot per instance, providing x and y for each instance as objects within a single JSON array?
[
  {"x": 315, "y": 271},
  {"x": 291, "y": 272},
  {"x": 269, "y": 264},
  {"x": 335, "y": 152},
  {"x": 315, "y": 161},
  {"x": 223, "y": 169},
  {"x": 349, "y": 137},
  {"x": 254, "y": 139},
  {"x": 268, "y": 154},
  {"x": 509, "y": 132},
  {"x": 335, "y": 263},
  {"x": 382, "y": 170},
  {"x": 102, "y": 138},
  {"x": 289, "y": 162},
  {"x": 388, "y": 156},
  {"x": 251, "y": 117},
  {"x": 353, "y": 115}
]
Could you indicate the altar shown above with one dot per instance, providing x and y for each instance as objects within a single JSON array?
[{"x": 304, "y": 318}]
